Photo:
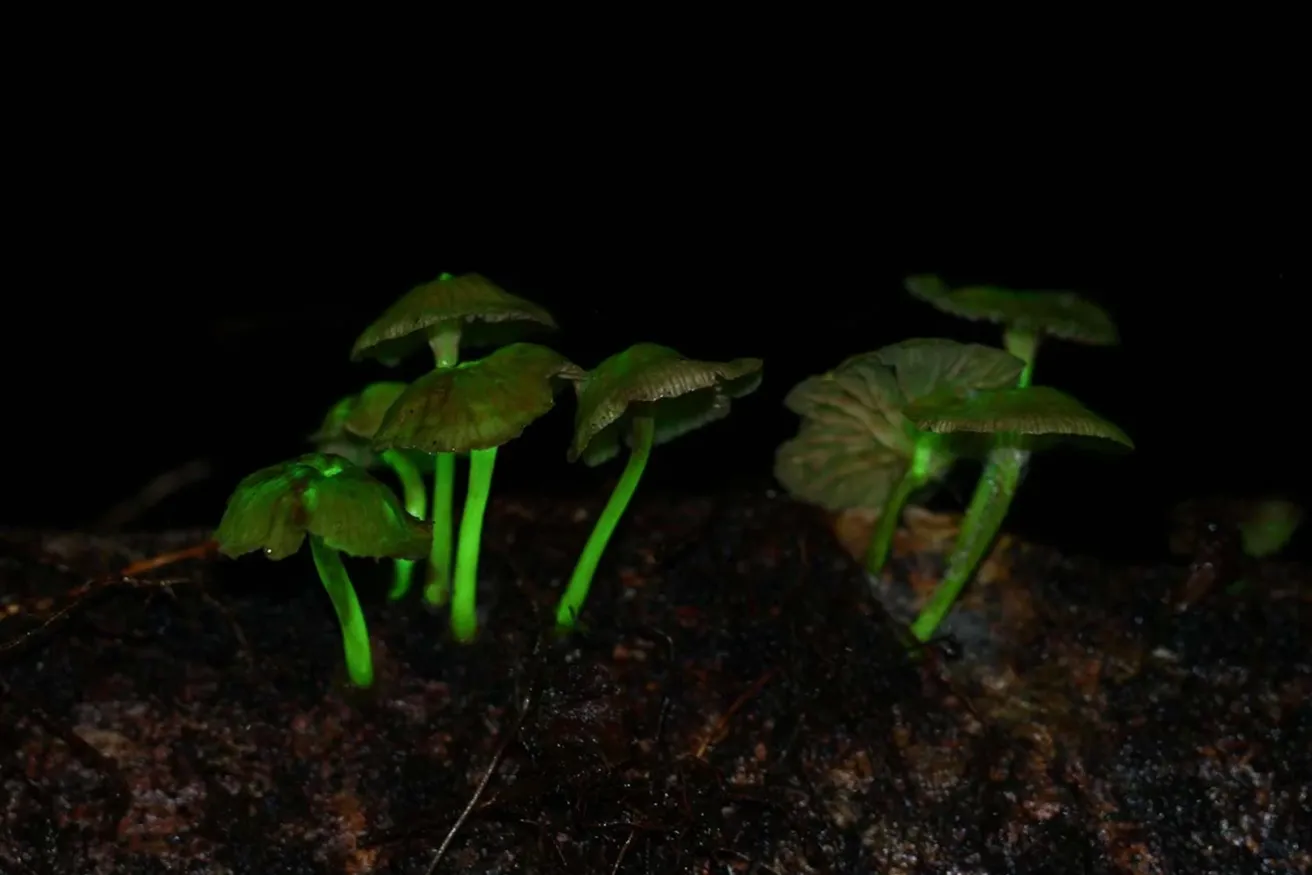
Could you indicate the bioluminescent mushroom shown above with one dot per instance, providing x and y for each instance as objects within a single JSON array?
[
  {"x": 1267, "y": 525},
  {"x": 449, "y": 314},
  {"x": 475, "y": 408},
  {"x": 343, "y": 510},
  {"x": 856, "y": 448},
  {"x": 1018, "y": 421},
  {"x": 348, "y": 429},
  {"x": 1026, "y": 316},
  {"x": 644, "y": 396}
]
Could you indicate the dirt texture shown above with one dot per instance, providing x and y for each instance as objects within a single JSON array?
[{"x": 739, "y": 702}]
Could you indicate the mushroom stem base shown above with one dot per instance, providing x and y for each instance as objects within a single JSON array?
[
  {"x": 464, "y": 602},
  {"x": 644, "y": 434},
  {"x": 437, "y": 586},
  {"x": 355, "y": 633},
  {"x": 988, "y": 508}
]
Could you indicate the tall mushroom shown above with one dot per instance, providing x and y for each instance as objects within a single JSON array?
[
  {"x": 1026, "y": 316},
  {"x": 646, "y": 395},
  {"x": 857, "y": 449},
  {"x": 475, "y": 408},
  {"x": 343, "y": 510},
  {"x": 347, "y": 430},
  {"x": 449, "y": 314},
  {"x": 1018, "y": 420}
]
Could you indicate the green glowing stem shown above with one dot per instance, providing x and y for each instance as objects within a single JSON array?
[
  {"x": 437, "y": 582},
  {"x": 924, "y": 462},
  {"x": 444, "y": 340},
  {"x": 355, "y": 634},
  {"x": 1024, "y": 345},
  {"x": 882, "y": 542},
  {"x": 464, "y": 603},
  {"x": 416, "y": 504},
  {"x": 988, "y": 508},
  {"x": 644, "y": 432}
]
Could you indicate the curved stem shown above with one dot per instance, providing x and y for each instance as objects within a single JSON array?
[
  {"x": 416, "y": 504},
  {"x": 988, "y": 508},
  {"x": 926, "y": 461},
  {"x": 464, "y": 603},
  {"x": 1024, "y": 345},
  {"x": 437, "y": 580},
  {"x": 882, "y": 541},
  {"x": 355, "y": 634},
  {"x": 644, "y": 432}
]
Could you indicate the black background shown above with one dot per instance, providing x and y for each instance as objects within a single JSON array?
[{"x": 149, "y": 326}]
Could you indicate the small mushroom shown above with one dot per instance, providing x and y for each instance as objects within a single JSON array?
[
  {"x": 1018, "y": 421},
  {"x": 643, "y": 396},
  {"x": 857, "y": 449},
  {"x": 474, "y": 408},
  {"x": 448, "y": 314},
  {"x": 348, "y": 430},
  {"x": 343, "y": 510},
  {"x": 1026, "y": 316}
]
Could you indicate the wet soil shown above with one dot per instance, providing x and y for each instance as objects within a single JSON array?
[{"x": 739, "y": 703}]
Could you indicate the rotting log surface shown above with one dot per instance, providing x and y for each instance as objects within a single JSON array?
[{"x": 739, "y": 704}]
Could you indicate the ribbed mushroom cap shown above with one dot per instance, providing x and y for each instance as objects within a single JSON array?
[
  {"x": 681, "y": 395},
  {"x": 487, "y": 315},
  {"x": 328, "y": 496}
]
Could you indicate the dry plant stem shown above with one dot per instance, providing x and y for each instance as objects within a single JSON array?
[{"x": 530, "y": 700}]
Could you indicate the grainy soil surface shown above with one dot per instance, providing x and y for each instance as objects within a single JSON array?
[{"x": 740, "y": 702}]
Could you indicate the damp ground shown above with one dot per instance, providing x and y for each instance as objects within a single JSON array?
[{"x": 739, "y": 702}]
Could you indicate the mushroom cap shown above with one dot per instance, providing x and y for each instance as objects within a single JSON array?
[
  {"x": 359, "y": 415},
  {"x": 324, "y": 495},
  {"x": 856, "y": 441},
  {"x": 1056, "y": 313},
  {"x": 1036, "y": 411},
  {"x": 1268, "y": 525},
  {"x": 489, "y": 316},
  {"x": 683, "y": 394},
  {"x": 350, "y": 424},
  {"x": 476, "y": 405}
]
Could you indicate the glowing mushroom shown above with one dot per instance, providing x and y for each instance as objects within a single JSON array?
[
  {"x": 449, "y": 314},
  {"x": 641, "y": 397},
  {"x": 474, "y": 408},
  {"x": 1017, "y": 421},
  {"x": 348, "y": 429},
  {"x": 343, "y": 510},
  {"x": 857, "y": 449},
  {"x": 1026, "y": 316}
]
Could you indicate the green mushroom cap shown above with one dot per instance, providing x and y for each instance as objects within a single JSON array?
[
  {"x": 680, "y": 394},
  {"x": 350, "y": 425},
  {"x": 324, "y": 495},
  {"x": 1035, "y": 411},
  {"x": 856, "y": 439},
  {"x": 476, "y": 405},
  {"x": 1055, "y": 313},
  {"x": 487, "y": 315}
]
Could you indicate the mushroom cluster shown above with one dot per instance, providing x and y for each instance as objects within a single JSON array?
[
  {"x": 884, "y": 425},
  {"x": 640, "y": 397}
]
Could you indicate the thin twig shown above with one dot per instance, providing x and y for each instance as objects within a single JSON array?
[
  {"x": 623, "y": 850},
  {"x": 530, "y": 698},
  {"x": 721, "y": 727},
  {"x": 154, "y": 493},
  {"x": 78, "y": 595}
]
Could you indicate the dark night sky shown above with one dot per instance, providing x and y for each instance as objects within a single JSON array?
[{"x": 216, "y": 325}]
